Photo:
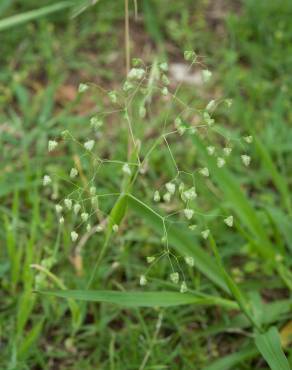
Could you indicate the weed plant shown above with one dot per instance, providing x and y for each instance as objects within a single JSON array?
[{"x": 177, "y": 208}]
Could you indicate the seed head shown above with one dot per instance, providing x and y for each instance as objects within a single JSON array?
[
  {"x": 188, "y": 213},
  {"x": 84, "y": 216},
  {"x": 205, "y": 233},
  {"x": 167, "y": 197},
  {"x": 99, "y": 228},
  {"x": 211, "y": 105},
  {"x": 181, "y": 129},
  {"x": 183, "y": 287},
  {"x": 61, "y": 220},
  {"x": 115, "y": 228},
  {"x": 127, "y": 169},
  {"x": 88, "y": 145},
  {"x": 181, "y": 187},
  {"x": 92, "y": 190},
  {"x": 94, "y": 201},
  {"x": 204, "y": 171},
  {"x": 190, "y": 194},
  {"x": 164, "y": 239},
  {"x": 136, "y": 74},
  {"x": 76, "y": 208},
  {"x": 189, "y": 55},
  {"x": 163, "y": 66},
  {"x": 137, "y": 62},
  {"x": 74, "y": 236},
  {"x": 229, "y": 221},
  {"x": 52, "y": 145},
  {"x": 220, "y": 162},
  {"x": 179, "y": 126},
  {"x": 192, "y": 130},
  {"x": 143, "y": 280},
  {"x": 156, "y": 196},
  {"x": 58, "y": 208},
  {"x": 206, "y": 74},
  {"x": 245, "y": 159},
  {"x": 127, "y": 86},
  {"x": 174, "y": 277},
  {"x": 164, "y": 91},
  {"x": 150, "y": 259},
  {"x": 211, "y": 150},
  {"x": 170, "y": 187},
  {"x": 227, "y": 151},
  {"x": 47, "y": 180},
  {"x": 165, "y": 79},
  {"x": 96, "y": 122},
  {"x": 82, "y": 88},
  {"x": 73, "y": 172},
  {"x": 248, "y": 139},
  {"x": 228, "y": 102},
  {"x": 113, "y": 96},
  {"x": 189, "y": 261},
  {"x": 208, "y": 119},
  {"x": 68, "y": 203}
]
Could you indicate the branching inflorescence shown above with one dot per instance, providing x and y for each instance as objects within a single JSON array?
[{"x": 145, "y": 90}]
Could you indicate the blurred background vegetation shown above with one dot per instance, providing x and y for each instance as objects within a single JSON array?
[{"x": 248, "y": 46}]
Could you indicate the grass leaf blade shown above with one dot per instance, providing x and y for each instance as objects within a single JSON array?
[
  {"x": 140, "y": 299},
  {"x": 269, "y": 345},
  {"x": 18, "y": 19}
]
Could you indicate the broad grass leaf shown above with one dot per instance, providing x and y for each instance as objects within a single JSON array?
[
  {"x": 269, "y": 345},
  {"x": 18, "y": 19},
  {"x": 141, "y": 299}
]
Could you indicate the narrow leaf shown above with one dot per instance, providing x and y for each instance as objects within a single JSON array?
[
  {"x": 230, "y": 361},
  {"x": 234, "y": 289},
  {"x": 18, "y": 19},
  {"x": 141, "y": 299},
  {"x": 277, "y": 177}
]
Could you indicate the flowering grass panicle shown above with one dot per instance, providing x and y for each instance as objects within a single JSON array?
[{"x": 177, "y": 199}]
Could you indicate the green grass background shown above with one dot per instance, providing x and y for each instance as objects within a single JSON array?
[{"x": 248, "y": 46}]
